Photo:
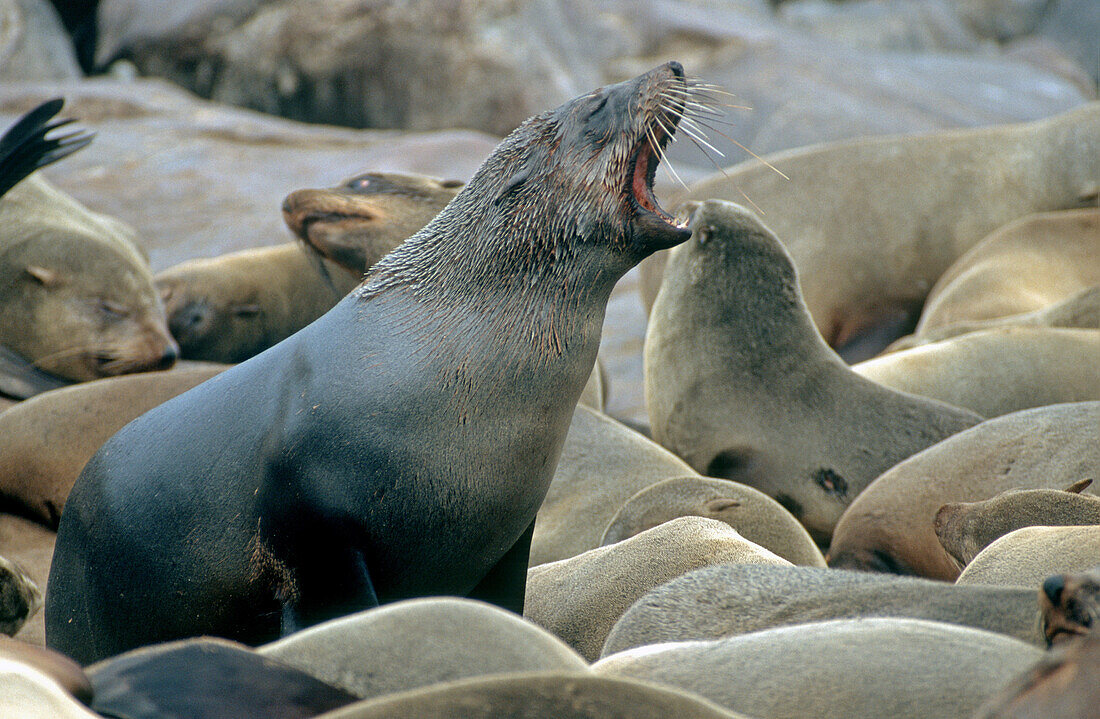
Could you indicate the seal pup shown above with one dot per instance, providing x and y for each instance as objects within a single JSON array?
[
  {"x": 234, "y": 306},
  {"x": 890, "y": 527},
  {"x": 740, "y": 384},
  {"x": 1022, "y": 267},
  {"x": 562, "y": 695},
  {"x": 996, "y": 371},
  {"x": 1070, "y": 604},
  {"x": 231, "y": 307},
  {"x": 726, "y": 600},
  {"x": 420, "y": 642},
  {"x": 76, "y": 294},
  {"x": 855, "y": 668},
  {"x": 400, "y": 445},
  {"x": 579, "y": 598},
  {"x": 1080, "y": 310},
  {"x": 1061, "y": 685},
  {"x": 1025, "y": 557},
  {"x": 869, "y": 243},
  {"x": 357, "y": 222},
  {"x": 46, "y": 440},
  {"x": 966, "y": 528},
  {"x": 756, "y": 516}
]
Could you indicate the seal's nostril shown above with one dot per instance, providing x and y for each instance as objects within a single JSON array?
[
  {"x": 1053, "y": 587},
  {"x": 677, "y": 68}
]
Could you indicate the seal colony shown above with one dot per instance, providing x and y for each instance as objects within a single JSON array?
[{"x": 407, "y": 437}]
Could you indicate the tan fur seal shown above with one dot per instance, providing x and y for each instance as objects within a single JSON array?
[
  {"x": 1025, "y": 557},
  {"x": 996, "y": 371},
  {"x": 1080, "y": 310},
  {"x": 420, "y": 642},
  {"x": 756, "y": 516},
  {"x": 603, "y": 463},
  {"x": 966, "y": 528},
  {"x": 229, "y": 308},
  {"x": 542, "y": 694},
  {"x": 1022, "y": 267},
  {"x": 58, "y": 667},
  {"x": 29, "y": 545},
  {"x": 76, "y": 294},
  {"x": 30, "y": 693},
  {"x": 729, "y": 600},
  {"x": 853, "y": 668},
  {"x": 580, "y": 598},
  {"x": 869, "y": 242},
  {"x": 890, "y": 527},
  {"x": 46, "y": 440},
  {"x": 232, "y": 307},
  {"x": 742, "y": 386},
  {"x": 1064, "y": 684},
  {"x": 357, "y": 222},
  {"x": 473, "y": 338}
]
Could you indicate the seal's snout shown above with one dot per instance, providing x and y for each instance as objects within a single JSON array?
[
  {"x": 677, "y": 69},
  {"x": 1053, "y": 587},
  {"x": 168, "y": 356}
]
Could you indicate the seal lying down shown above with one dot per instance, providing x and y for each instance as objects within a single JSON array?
[{"x": 400, "y": 445}]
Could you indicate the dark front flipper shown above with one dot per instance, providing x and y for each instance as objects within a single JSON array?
[
  {"x": 506, "y": 583},
  {"x": 328, "y": 585},
  {"x": 20, "y": 379}
]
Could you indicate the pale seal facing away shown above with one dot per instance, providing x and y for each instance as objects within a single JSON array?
[
  {"x": 400, "y": 445},
  {"x": 1027, "y": 556},
  {"x": 742, "y": 386}
]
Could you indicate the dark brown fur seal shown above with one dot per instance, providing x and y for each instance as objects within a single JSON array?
[
  {"x": 400, "y": 445},
  {"x": 76, "y": 294},
  {"x": 1070, "y": 604}
]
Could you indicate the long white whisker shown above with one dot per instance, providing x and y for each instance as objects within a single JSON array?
[{"x": 661, "y": 155}]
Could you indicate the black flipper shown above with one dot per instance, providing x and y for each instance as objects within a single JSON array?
[
  {"x": 24, "y": 148},
  {"x": 506, "y": 583}
]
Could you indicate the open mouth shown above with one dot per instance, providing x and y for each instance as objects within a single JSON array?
[{"x": 645, "y": 162}]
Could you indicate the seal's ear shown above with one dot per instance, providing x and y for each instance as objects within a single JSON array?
[
  {"x": 721, "y": 504},
  {"x": 246, "y": 310},
  {"x": 513, "y": 184},
  {"x": 47, "y": 278},
  {"x": 1078, "y": 486}
]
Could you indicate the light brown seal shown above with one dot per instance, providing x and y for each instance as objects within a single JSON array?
[
  {"x": 854, "y": 668},
  {"x": 753, "y": 514},
  {"x": 1025, "y": 557},
  {"x": 889, "y": 528},
  {"x": 966, "y": 528},
  {"x": 729, "y": 600},
  {"x": 579, "y": 598},
  {"x": 46, "y": 440},
  {"x": 421, "y": 642},
  {"x": 996, "y": 371},
  {"x": 1022, "y": 267},
  {"x": 58, "y": 667},
  {"x": 76, "y": 293},
  {"x": 474, "y": 338},
  {"x": 30, "y": 693},
  {"x": 869, "y": 242},
  {"x": 357, "y": 222},
  {"x": 229, "y": 308},
  {"x": 543, "y": 694},
  {"x": 742, "y": 386}
]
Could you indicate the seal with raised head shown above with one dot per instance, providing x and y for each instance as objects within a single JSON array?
[{"x": 400, "y": 445}]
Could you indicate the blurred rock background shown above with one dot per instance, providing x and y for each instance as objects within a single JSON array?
[{"x": 187, "y": 96}]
